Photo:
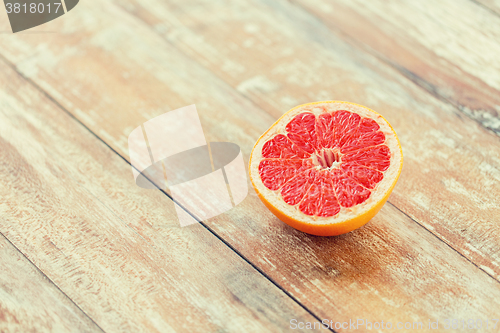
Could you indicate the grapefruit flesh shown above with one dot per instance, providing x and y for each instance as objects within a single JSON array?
[{"x": 326, "y": 168}]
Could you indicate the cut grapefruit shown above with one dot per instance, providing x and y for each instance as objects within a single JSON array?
[{"x": 326, "y": 168}]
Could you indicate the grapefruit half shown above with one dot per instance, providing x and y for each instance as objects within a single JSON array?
[{"x": 326, "y": 168}]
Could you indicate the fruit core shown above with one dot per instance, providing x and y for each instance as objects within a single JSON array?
[{"x": 328, "y": 158}]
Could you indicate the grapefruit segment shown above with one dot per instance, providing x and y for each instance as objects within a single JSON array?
[
  {"x": 302, "y": 131},
  {"x": 378, "y": 157},
  {"x": 345, "y": 124},
  {"x": 326, "y": 168},
  {"x": 294, "y": 190},
  {"x": 368, "y": 135},
  {"x": 325, "y": 130},
  {"x": 330, "y": 206},
  {"x": 281, "y": 147},
  {"x": 276, "y": 172},
  {"x": 366, "y": 177},
  {"x": 310, "y": 204},
  {"x": 349, "y": 192}
]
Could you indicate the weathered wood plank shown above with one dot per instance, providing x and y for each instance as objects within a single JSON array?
[
  {"x": 449, "y": 48},
  {"x": 122, "y": 75},
  {"x": 115, "y": 249},
  {"x": 29, "y": 302}
]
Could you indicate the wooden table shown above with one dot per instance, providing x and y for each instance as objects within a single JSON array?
[{"x": 83, "y": 249}]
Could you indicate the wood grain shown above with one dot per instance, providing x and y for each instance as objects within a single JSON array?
[
  {"x": 449, "y": 48},
  {"x": 493, "y": 5},
  {"x": 70, "y": 205},
  {"x": 114, "y": 74},
  {"x": 29, "y": 302}
]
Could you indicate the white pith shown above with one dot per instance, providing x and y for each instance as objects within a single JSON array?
[{"x": 378, "y": 193}]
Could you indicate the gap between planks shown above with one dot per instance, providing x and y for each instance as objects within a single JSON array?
[
  {"x": 238, "y": 253},
  {"x": 51, "y": 282},
  {"x": 451, "y": 247}
]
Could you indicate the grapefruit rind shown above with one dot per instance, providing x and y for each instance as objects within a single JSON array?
[{"x": 347, "y": 219}]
